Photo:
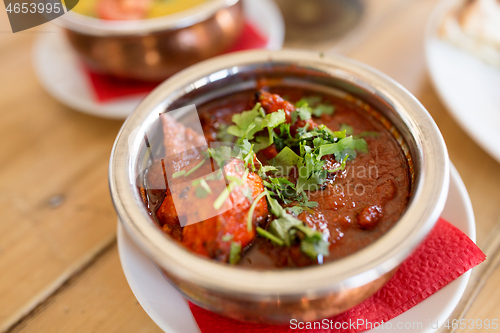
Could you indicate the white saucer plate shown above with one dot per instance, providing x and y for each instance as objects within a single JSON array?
[
  {"x": 468, "y": 86},
  {"x": 60, "y": 71},
  {"x": 170, "y": 311}
]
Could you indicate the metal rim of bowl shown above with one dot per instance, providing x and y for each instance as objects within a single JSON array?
[
  {"x": 428, "y": 198},
  {"x": 97, "y": 27}
]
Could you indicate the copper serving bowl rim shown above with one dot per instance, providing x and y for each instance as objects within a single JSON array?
[
  {"x": 97, "y": 27},
  {"x": 427, "y": 202}
]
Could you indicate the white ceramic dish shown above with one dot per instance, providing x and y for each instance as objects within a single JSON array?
[
  {"x": 467, "y": 86},
  {"x": 60, "y": 72},
  {"x": 170, "y": 311}
]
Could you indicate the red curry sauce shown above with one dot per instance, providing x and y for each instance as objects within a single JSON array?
[{"x": 356, "y": 206}]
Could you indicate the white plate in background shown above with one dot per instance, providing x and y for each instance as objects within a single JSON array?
[
  {"x": 60, "y": 71},
  {"x": 469, "y": 87},
  {"x": 170, "y": 311}
]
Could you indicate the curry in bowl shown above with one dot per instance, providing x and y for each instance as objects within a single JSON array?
[
  {"x": 275, "y": 185},
  {"x": 132, "y": 9},
  {"x": 278, "y": 177}
]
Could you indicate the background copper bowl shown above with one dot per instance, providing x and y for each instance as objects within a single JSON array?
[
  {"x": 276, "y": 296},
  {"x": 154, "y": 49}
]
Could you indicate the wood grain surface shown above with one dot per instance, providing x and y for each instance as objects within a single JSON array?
[{"x": 59, "y": 266}]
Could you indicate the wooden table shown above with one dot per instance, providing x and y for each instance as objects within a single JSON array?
[{"x": 59, "y": 266}]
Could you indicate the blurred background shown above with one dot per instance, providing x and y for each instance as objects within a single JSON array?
[{"x": 68, "y": 85}]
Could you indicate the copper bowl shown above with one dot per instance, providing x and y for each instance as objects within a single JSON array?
[
  {"x": 305, "y": 294},
  {"x": 154, "y": 49}
]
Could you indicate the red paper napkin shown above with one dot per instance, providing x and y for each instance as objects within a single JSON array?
[
  {"x": 445, "y": 254},
  {"x": 108, "y": 88}
]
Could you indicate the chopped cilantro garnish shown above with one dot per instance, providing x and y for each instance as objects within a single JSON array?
[
  {"x": 287, "y": 157},
  {"x": 322, "y": 109},
  {"x": 348, "y": 129},
  {"x": 262, "y": 142},
  {"x": 227, "y": 237},
  {"x": 234, "y": 253},
  {"x": 313, "y": 106},
  {"x": 246, "y": 149},
  {"x": 282, "y": 231},
  {"x": 224, "y": 195},
  {"x": 204, "y": 185},
  {"x": 223, "y": 135},
  {"x": 313, "y": 243},
  {"x": 366, "y": 134},
  {"x": 187, "y": 173},
  {"x": 200, "y": 192},
  {"x": 251, "y": 210},
  {"x": 281, "y": 226},
  {"x": 342, "y": 165},
  {"x": 203, "y": 190},
  {"x": 347, "y": 146},
  {"x": 227, "y": 191},
  {"x": 215, "y": 175},
  {"x": 266, "y": 168},
  {"x": 281, "y": 188},
  {"x": 303, "y": 111},
  {"x": 284, "y": 190},
  {"x": 297, "y": 210},
  {"x": 305, "y": 150},
  {"x": 271, "y": 121},
  {"x": 269, "y": 236},
  {"x": 220, "y": 155},
  {"x": 244, "y": 123},
  {"x": 248, "y": 123}
]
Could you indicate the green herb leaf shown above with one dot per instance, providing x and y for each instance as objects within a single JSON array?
[
  {"x": 287, "y": 157},
  {"x": 271, "y": 121},
  {"x": 235, "y": 253},
  {"x": 221, "y": 155},
  {"x": 281, "y": 226},
  {"x": 310, "y": 100},
  {"x": 245, "y": 125},
  {"x": 202, "y": 190},
  {"x": 205, "y": 185},
  {"x": 262, "y": 142},
  {"x": 248, "y": 123},
  {"x": 252, "y": 209},
  {"x": 269, "y": 236},
  {"x": 281, "y": 188},
  {"x": 316, "y": 108},
  {"x": 342, "y": 165},
  {"x": 367, "y": 134},
  {"x": 322, "y": 109},
  {"x": 309, "y": 204},
  {"x": 345, "y": 146},
  {"x": 224, "y": 195},
  {"x": 304, "y": 112},
  {"x": 314, "y": 247},
  {"x": 296, "y": 210},
  {"x": 227, "y": 237},
  {"x": 348, "y": 129},
  {"x": 274, "y": 119},
  {"x": 178, "y": 174},
  {"x": 273, "y": 205},
  {"x": 311, "y": 173},
  {"x": 223, "y": 135},
  {"x": 215, "y": 175},
  {"x": 266, "y": 168}
]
